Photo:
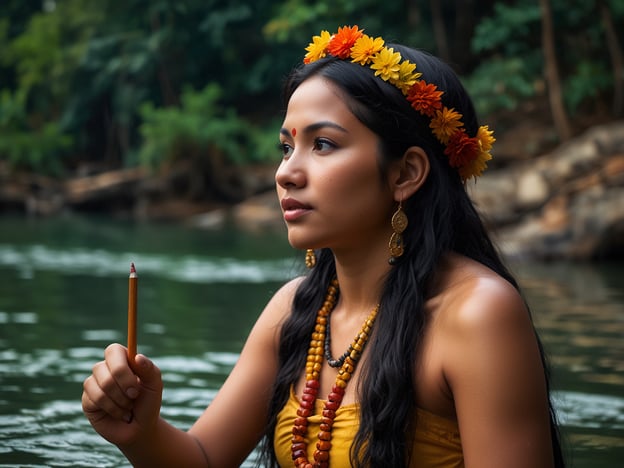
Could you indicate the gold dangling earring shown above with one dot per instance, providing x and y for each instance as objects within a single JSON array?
[
  {"x": 396, "y": 246},
  {"x": 310, "y": 258}
]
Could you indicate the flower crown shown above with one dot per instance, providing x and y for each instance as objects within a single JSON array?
[{"x": 467, "y": 154}]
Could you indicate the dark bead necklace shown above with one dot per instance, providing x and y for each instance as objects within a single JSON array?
[{"x": 336, "y": 363}]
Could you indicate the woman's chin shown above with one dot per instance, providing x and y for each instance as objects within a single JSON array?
[{"x": 296, "y": 242}]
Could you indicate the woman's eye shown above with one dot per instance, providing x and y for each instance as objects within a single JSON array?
[
  {"x": 286, "y": 149},
  {"x": 322, "y": 145}
]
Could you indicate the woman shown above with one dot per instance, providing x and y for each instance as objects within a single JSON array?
[{"x": 445, "y": 369}]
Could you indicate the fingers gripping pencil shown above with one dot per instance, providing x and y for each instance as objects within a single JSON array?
[{"x": 132, "y": 313}]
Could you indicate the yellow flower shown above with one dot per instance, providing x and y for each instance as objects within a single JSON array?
[
  {"x": 386, "y": 64},
  {"x": 364, "y": 49},
  {"x": 445, "y": 123},
  {"x": 317, "y": 48},
  {"x": 476, "y": 167},
  {"x": 485, "y": 137},
  {"x": 407, "y": 77}
]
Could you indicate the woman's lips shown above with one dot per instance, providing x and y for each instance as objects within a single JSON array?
[{"x": 294, "y": 209}]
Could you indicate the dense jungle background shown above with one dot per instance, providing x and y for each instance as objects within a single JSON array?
[{"x": 168, "y": 109}]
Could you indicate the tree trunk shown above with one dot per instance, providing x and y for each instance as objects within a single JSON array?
[
  {"x": 170, "y": 98},
  {"x": 557, "y": 108},
  {"x": 617, "y": 62},
  {"x": 439, "y": 30},
  {"x": 412, "y": 13},
  {"x": 464, "y": 31}
]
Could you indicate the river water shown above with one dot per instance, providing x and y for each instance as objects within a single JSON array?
[{"x": 63, "y": 298}]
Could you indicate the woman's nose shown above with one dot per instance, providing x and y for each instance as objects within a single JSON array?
[{"x": 290, "y": 173}]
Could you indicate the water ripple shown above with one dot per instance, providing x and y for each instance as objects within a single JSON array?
[
  {"x": 102, "y": 263},
  {"x": 590, "y": 410}
]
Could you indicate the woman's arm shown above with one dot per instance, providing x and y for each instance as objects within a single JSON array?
[
  {"x": 224, "y": 434},
  {"x": 493, "y": 367}
]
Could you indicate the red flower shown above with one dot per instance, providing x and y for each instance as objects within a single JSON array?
[
  {"x": 340, "y": 45},
  {"x": 461, "y": 149},
  {"x": 425, "y": 98}
]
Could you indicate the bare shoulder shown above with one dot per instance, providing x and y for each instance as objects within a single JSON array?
[
  {"x": 491, "y": 363},
  {"x": 485, "y": 317},
  {"x": 280, "y": 304},
  {"x": 477, "y": 299}
]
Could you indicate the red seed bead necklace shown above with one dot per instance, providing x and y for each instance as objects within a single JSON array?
[{"x": 314, "y": 364}]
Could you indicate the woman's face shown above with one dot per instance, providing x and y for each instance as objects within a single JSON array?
[{"x": 329, "y": 183}]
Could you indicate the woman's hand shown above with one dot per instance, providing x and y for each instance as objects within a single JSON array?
[{"x": 122, "y": 399}]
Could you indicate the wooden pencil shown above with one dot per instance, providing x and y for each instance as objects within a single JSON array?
[{"x": 132, "y": 313}]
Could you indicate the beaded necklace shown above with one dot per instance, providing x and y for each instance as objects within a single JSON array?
[{"x": 314, "y": 364}]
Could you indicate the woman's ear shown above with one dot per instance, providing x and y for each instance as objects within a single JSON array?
[{"x": 409, "y": 173}]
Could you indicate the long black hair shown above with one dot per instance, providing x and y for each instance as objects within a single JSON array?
[{"x": 442, "y": 219}]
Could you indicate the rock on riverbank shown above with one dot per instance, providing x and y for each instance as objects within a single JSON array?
[{"x": 568, "y": 203}]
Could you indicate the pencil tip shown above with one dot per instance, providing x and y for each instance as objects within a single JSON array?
[{"x": 132, "y": 269}]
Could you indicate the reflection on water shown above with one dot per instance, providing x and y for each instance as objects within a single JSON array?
[
  {"x": 63, "y": 291},
  {"x": 579, "y": 310}
]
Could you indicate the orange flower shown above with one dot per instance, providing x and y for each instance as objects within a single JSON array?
[
  {"x": 317, "y": 48},
  {"x": 340, "y": 45},
  {"x": 364, "y": 49},
  {"x": 425, "y": 98},
  {"x": 445, "y": 123},
  {"x": 461, "y": 149}
]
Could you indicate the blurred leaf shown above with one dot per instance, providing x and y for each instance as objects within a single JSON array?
[
  {"x": 500, "y": 84},
  {"x": 508, "y": 28},
  {"x": 588, "y": 81},
  {"x": 22, "y": 147}
]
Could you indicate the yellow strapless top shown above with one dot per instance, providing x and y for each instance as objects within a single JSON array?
[{"x": 436, "y": 441}]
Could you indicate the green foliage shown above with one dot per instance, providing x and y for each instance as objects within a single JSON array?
[
  {"x": 25, "y": 148},
  {"x": 512, "y": 37},
  {"x": 616, "y": 7},
  {"x": 295, "y": 21},
  {"x": 588, "y": 81},
  {"x": 292, "y": 16},
  {"x": 501, "y": 83},
  {"x": 511, "y": 29},
  {"x": 42, "y": 59},
  {"x": 199, "y": 128}
]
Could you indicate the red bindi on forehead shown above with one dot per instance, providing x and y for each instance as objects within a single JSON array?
[{"x": 294, "y": 132}]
